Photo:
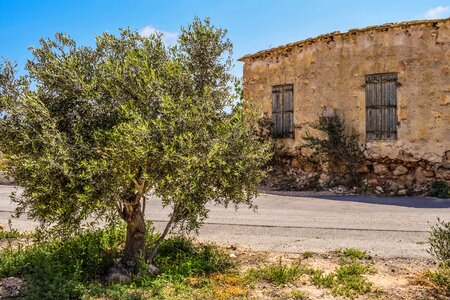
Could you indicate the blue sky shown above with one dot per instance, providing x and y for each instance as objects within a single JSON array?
[{"x": 252, "y": 25}]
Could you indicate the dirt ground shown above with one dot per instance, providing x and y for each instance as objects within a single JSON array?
[{"x": 397, "y": 278}]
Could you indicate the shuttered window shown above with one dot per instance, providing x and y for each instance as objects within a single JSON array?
[
  {"x": 282, "y": 111},
  {"x": 381, "y": 106}
]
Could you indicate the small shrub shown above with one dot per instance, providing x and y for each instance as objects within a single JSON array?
[
  {"x": 439, "y": 241},
  {"x": 347, "y": 280},
  {"x": 13, "y": 234},
  {"x": 320, "y": 279},
  {"x": 297, "y": 295},
  {"x": 337, "y": 147},
  {"x": 352, "y": 253},
  {"x": 61, "y": 269},
  {"x": 441, "y": 277},
  {"x": 71, "y": 268},
  {"x": 278, "y": 274},
  {"x": 440, "y": 189},
  {"x": 180, "y": 256},
  {"x": 2, "y": 163}
]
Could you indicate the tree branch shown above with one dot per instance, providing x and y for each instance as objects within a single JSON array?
[{"x": 163, "y": 235}]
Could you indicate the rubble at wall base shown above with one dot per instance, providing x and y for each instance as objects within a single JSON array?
[{"x": 378, "y": 176}]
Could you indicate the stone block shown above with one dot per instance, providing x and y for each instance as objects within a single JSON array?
[
  {"x": 443, "y": 173},
  {"x": 421, "y": 173},
  {"x": 380, "y": 169},
  {"x": 363, "y": 169},
  {"x": 402, "y": 192},
  {"x": 444, "y": 100},
  {"x": 400, "y": 170},
  {"x": 372, "y": 182}
]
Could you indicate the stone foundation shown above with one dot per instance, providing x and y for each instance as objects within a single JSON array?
[
  {"x": 379, "y": 176},
  {"x": 398, "y": 177}
]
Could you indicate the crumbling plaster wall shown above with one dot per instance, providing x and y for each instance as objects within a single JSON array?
[{"x": 329, "y": 72}]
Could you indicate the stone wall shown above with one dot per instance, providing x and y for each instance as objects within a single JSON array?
[{"x": 328, "y": 72}]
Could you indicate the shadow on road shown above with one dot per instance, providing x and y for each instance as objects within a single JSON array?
[{"x": 415, "y": 202}]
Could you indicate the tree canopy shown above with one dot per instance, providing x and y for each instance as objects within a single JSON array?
[{"x": 89, "y": 131}]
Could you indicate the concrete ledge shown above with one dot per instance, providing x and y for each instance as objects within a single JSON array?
[{"x": 4, "y": 180}]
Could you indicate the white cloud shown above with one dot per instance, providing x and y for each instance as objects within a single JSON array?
[
  {"x": 438, "y": 12},
  {"x": 168, "y": 37}
]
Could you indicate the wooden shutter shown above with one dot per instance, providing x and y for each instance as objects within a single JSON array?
[
  {"x": 288, "y": 111},
  {"x": 373, "y": 113},
  {"x": 389, "y": 106},
  {"x": 381, "y": 106},
  {"x": 282, "y": 111},
  {"x": 277, "y": 112}
]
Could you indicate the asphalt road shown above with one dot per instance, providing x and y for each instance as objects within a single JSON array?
[{"x": 386, "y": 226}]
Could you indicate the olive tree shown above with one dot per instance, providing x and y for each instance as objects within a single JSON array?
[{"x": 89, "y": 131}]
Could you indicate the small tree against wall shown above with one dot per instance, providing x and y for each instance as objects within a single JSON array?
[{"x": 335, "y": 148}]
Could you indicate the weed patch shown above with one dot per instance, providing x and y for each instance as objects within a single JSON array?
[
  {"x": 352, "y": 253},
  {"x": 296, "y": 295},
  {"x": 347, "y": 280},
  {"x": 187, "y": 270},
  {"x": 440, "y": 277},
  {"x": 278, "y": 274},
  {"x": 72, "y": 269},
  {"x": 180, "y": 256},
  {"x": 13, "y": 234},
  {"x": 60, "y": 269}
]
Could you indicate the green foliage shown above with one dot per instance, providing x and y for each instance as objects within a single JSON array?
[
  {"x": 278, "y": 274},
  {"x": 61, "y": 269},
  {"x": 13, "y": 234},
  {"x": 347, "y": 280},
  {"x": 107, "y": 124},
  {"x": 297, "y": 295},
  {"x": 440, "y": 277},
  {"x": 336, "y": 147},
  {"x": 72, "y": 268},
  {"x": 179, "y": 259},
  {"x": 180, "y": 256},
  {"x": 2, "y": 163},
  {"x": 440, "y": 189},
  {"x": 439, "y": 241},
  {"x": 352, "y": 253}
]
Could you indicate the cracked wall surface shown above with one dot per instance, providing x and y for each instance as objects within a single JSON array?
[{"x": 328, "y": 72}]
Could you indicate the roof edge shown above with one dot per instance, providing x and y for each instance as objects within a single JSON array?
[{"x": 336, "y": 33}]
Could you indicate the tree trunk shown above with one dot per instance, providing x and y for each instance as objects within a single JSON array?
[{"x": 135, "y": 241}]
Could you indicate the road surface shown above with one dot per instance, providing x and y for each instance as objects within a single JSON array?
[{"x": 386, "y": 226}]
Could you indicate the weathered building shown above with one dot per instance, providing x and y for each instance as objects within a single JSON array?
[{"x": 390, "y": 82}]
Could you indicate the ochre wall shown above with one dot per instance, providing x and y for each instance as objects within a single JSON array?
[{"x": 329, "y": 72}]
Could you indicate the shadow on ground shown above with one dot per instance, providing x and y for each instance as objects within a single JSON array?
[{"x": 415, "y": 202}]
